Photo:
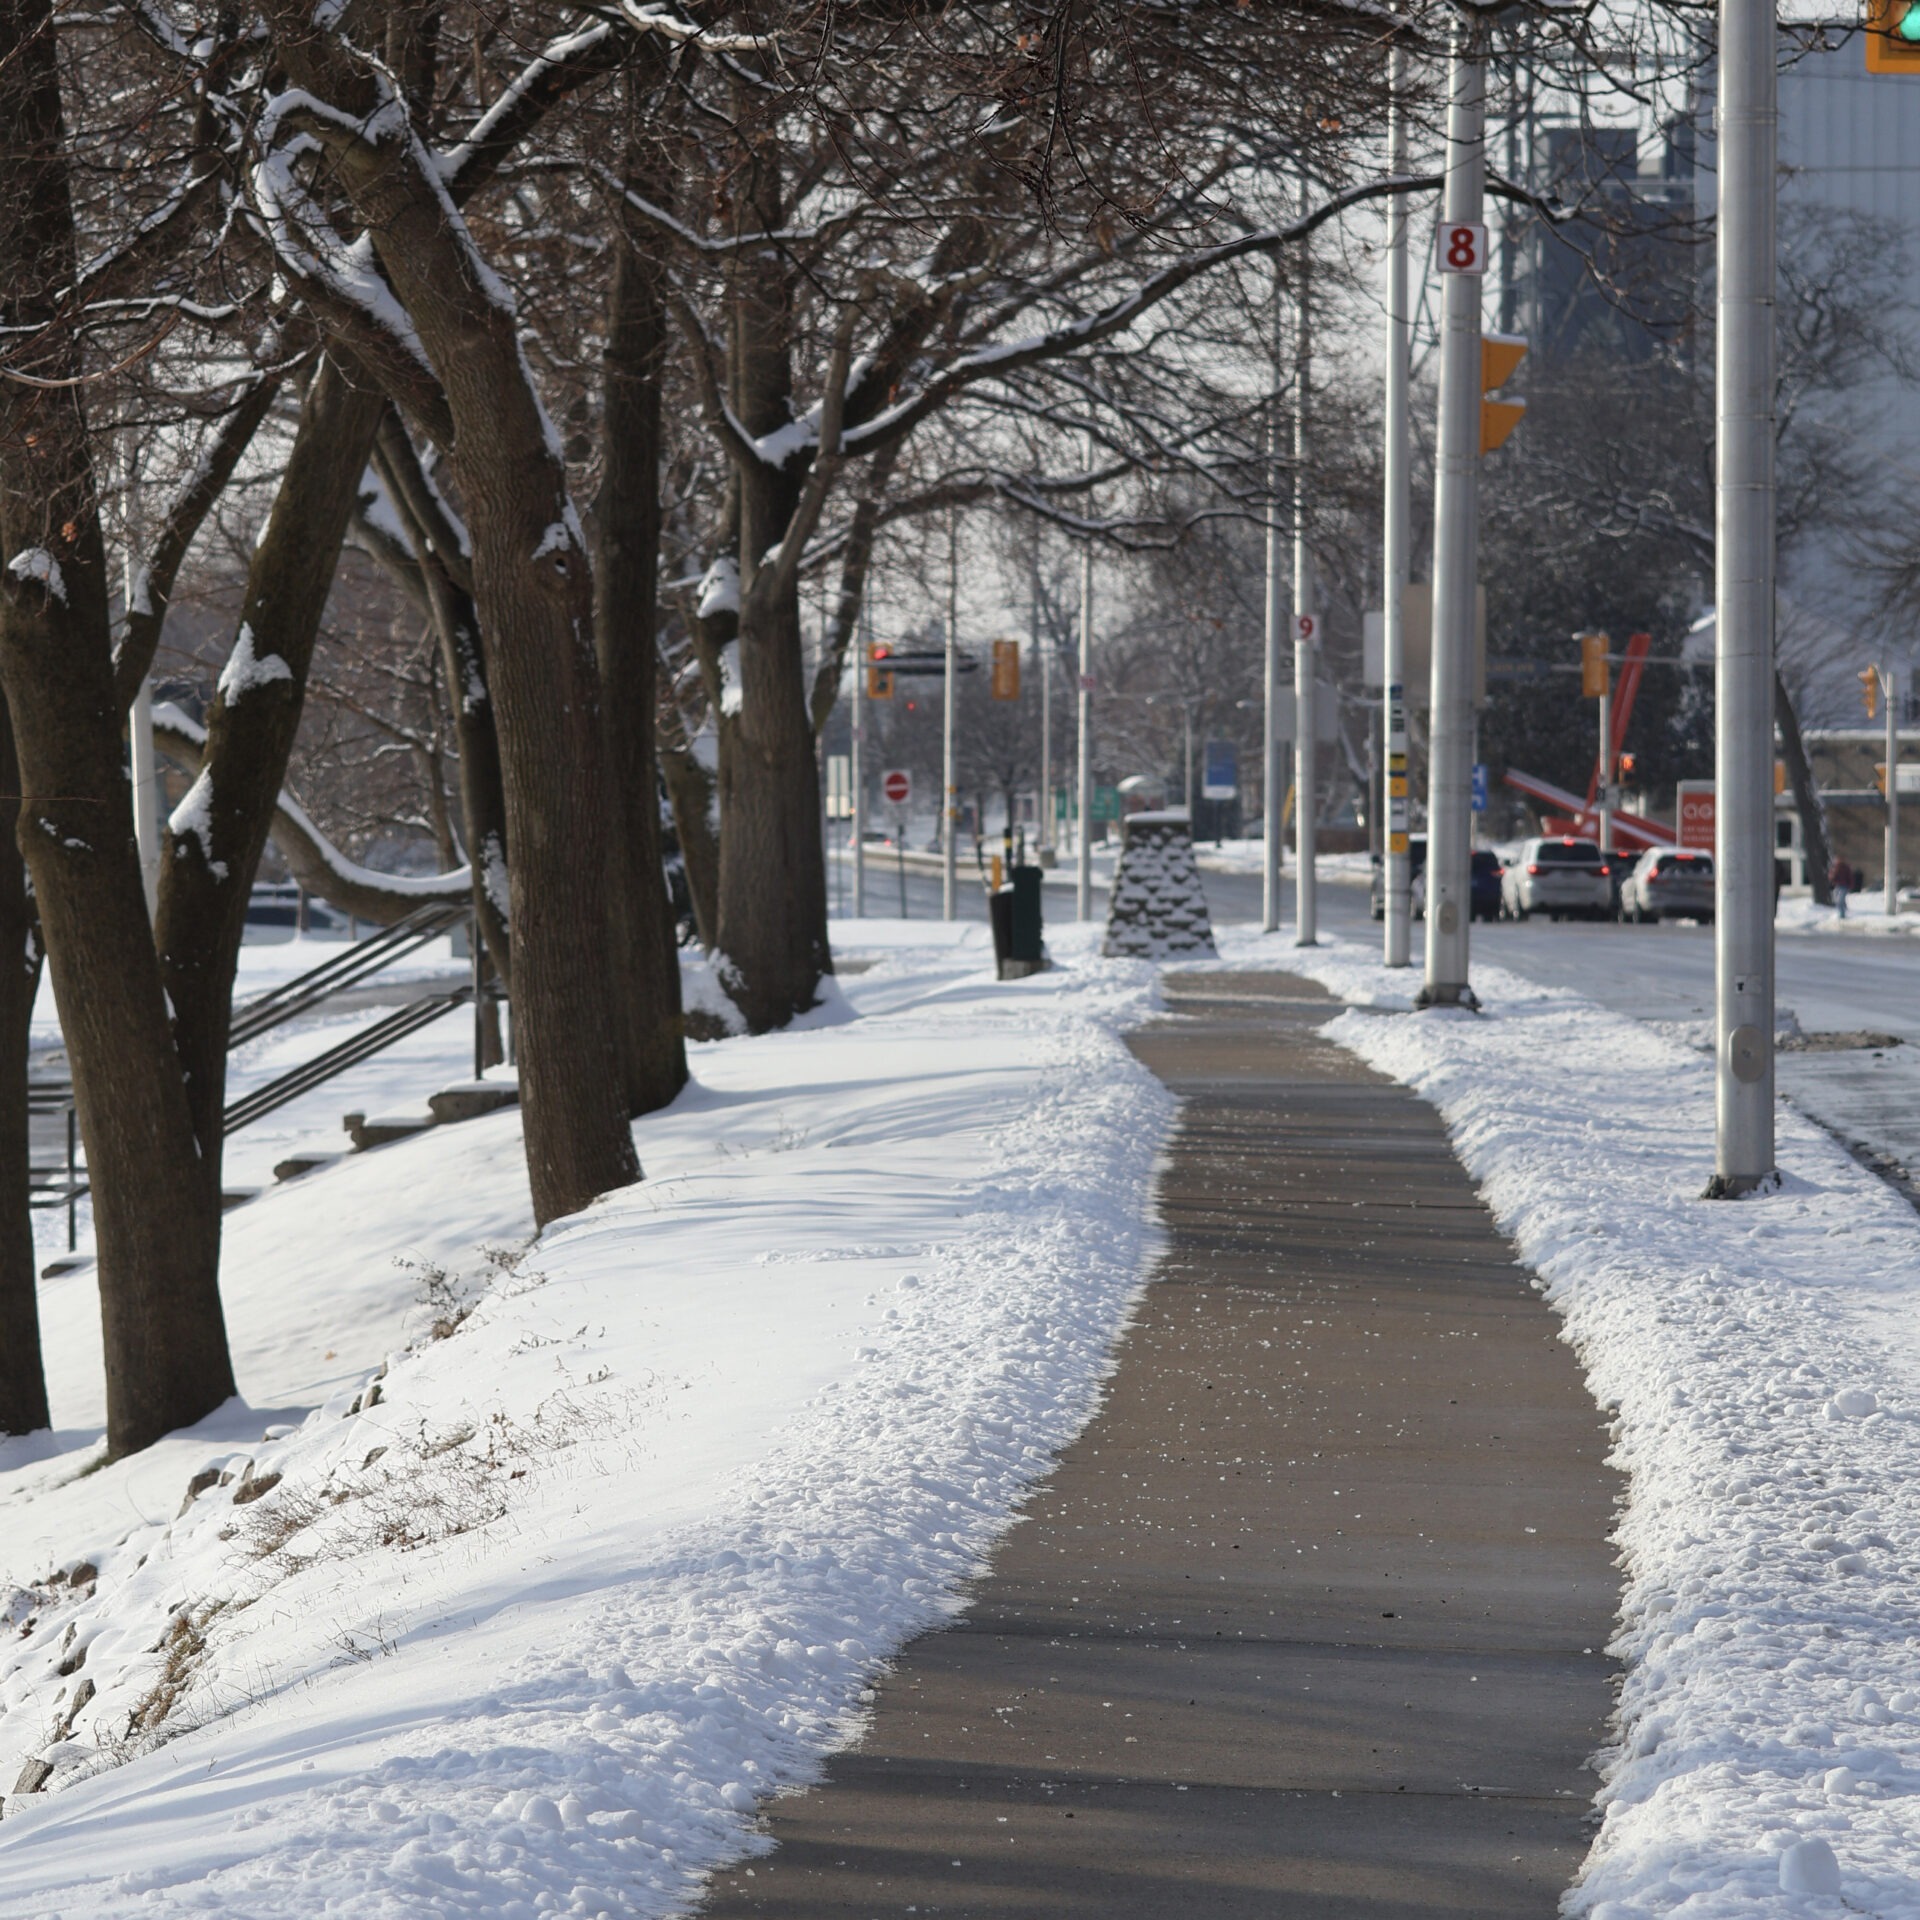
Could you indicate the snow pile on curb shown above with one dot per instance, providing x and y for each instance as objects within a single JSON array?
[
  {"x": 1866, "y": 916},
  {"x": 532, "y": 1619},
  {"x": 1760, "y": 1360}
]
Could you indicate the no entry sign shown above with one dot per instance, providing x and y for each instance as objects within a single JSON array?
[{"x": 897, "y": 784}]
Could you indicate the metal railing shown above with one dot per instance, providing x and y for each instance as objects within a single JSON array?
[
  {"x": 337, "y": 1059},
  {"x": 359, "y": 962}
]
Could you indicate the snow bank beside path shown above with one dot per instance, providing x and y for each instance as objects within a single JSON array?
[
  {"x": 1762, "y": 1362},
  {"x": 532, "y": 1622}
]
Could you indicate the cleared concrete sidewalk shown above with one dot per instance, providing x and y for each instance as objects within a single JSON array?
[{"x": 1309, "y": 1621}]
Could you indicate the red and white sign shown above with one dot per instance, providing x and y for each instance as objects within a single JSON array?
[
  {"x": 1306, "y": 628},
  {"x": 1463, "y": 247},
  {"x": 1694, "y": 804},
  {"x": 897, "y": 784}
]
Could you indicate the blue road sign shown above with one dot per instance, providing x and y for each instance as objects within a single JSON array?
[
  {"x": 1220, "y": 775},
  {"x": 1480, "y": 786}
]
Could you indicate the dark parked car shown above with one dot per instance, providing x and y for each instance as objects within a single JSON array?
[{"x": 1486, "y": 882}]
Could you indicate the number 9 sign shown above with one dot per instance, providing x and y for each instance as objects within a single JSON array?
[{"x": 1463, "y": 246}]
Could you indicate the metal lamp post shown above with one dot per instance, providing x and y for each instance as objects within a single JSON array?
[
  {"x": 1456, "y": 533},
  {"x": 1744, "y": 600}
]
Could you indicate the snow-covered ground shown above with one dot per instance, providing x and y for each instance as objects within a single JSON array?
[
  {"x": 530, "y": 1622},
  {"x": 1249, "y": 856},
  {"x": 1866, "y": 916},
  {"x": 535, "y": 1627}
]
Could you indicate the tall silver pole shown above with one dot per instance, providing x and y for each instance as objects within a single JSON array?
[
  {"x": 1743, "y": 597},
  {"x": 1083, "y": 776},
  {"x": 1399, "y": 519},
  {"x": 1043, "y": 659},
  {"x": 1306, "y": 635},
  {"x": 1456, "y": 515},
  {"x": 859, "y": 769},
  {"x": 1605, "y": 782},
  {"x": 949, "y": 758},
  {"x": 1275, "y": 765},
  {"x": 1887, "y": 686}
]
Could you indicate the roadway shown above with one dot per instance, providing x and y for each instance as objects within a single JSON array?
[{"x": 1832, "y": 984}]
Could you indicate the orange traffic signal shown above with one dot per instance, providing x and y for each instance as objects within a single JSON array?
[
  {"x": 1870, "y": 686},
  {"x": 1006, "y": 669},
  {"x": 1595, "y": 674},
  {"x": 1893, "y": 36},
  {"x": 879, "y": 676},
  {"x": 1500, "y": 354}
]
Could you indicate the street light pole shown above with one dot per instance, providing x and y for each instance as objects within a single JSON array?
[
  {"x": 1605, "y": 782},
  {"x": 1273, "y": 761},
  {"x": 1043, "y": 656},
  {"x": 949, "y": 756},
  {"x": 1743, "y": 598},
  {"x": 859, "y": 768},
  {"x": 1083, "y": 774},
  {"x": 1455, "y": 547},
  {"x": 1887, "y": 684},
  {"x": 1398, "y": 518},
  {"x": 1306, "y": 638}
]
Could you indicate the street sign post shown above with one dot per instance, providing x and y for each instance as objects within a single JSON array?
[{"x": 1456, "y": 529}]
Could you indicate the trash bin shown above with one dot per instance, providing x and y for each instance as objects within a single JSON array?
[{"x": 1015, "y": 909}]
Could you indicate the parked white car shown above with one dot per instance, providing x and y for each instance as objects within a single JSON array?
[
  {"x": 1668, "y": 883},
  {"x": 1557, "y": 876}
]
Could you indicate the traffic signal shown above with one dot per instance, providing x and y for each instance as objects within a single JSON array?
[
  {"x": 1500, "y": 354},
  {"x": 1595, "y": 674},
  {"x": 879, "y": 677},
  {"x": 1006, "y": 669},
  {"x": 1870, "y": 686},
  {"x": 1893, "y": 36},
  {"x": 1626, "y": 766}
]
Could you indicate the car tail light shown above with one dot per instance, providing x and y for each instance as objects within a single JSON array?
[{"x": 1532, "y": 867}]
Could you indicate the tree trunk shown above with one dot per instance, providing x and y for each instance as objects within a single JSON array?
[
  {"x": 23, "y": 1384},
  {"x": 690, "y": 792},
  {"x": 645, "y": 956},
  {"x": 773, "y": 877},
  {"x": 534, "y": 589},
  {"x": 1806, "y": 797},
  {"x": 158, "y": 1239},
  {"x": 216, "y": 835},
  {"x": 456, "y": 623}
]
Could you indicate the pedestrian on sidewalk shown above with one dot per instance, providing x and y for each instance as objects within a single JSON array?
[{"x": 1843, "y": 881}]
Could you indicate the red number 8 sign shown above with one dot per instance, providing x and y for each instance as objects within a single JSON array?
[{"x": 1463, "y": 247}]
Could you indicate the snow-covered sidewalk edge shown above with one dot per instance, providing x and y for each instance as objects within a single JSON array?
[{"x": 1758, "y": 1359}]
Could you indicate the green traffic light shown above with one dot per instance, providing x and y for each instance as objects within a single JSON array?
[{"x": 1909, "y": 27}]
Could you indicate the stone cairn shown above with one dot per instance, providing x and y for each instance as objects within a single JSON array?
[{"x": 1158, "y": 908}]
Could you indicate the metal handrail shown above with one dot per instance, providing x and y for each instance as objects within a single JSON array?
[
  {"x": 358, "y": 962},
  {"x": 336, "y": 1060}
]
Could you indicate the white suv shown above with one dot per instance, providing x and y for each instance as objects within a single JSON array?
[{"x": 1555, "y": 876}]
